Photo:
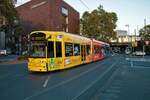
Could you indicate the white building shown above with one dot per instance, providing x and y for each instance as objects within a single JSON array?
[{"x": 123, "y": 37}]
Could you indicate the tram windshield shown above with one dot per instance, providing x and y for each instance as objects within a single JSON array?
[{"x": 38, "y": 49}]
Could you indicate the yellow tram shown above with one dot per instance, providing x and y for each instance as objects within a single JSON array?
[{"x": 51, "y": 51}]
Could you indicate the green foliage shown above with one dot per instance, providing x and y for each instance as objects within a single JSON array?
[
  {"x": 7, "y": 9},
  {"x": 99, "y": 24},
  {"x": 145, "y": 32},
  {"x": 18, "y": 30},
  {"x": 13, "y": 29}
]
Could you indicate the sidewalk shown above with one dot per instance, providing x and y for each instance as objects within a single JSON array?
[
  {"x": 8, "y": 58},
  {"x": 127, "y": 83}
]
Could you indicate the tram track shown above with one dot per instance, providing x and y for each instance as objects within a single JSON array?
[
  {"x": 73, "y": 78},
  {"x": 36, "y": 86}
]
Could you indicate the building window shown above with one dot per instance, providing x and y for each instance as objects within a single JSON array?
[
  {"x": 76, "y": 49},
  {"x": 97, "y": 49},
  {"x": 58, "y": 49},
  {"x": 68, "y": 49},
  {"x": 65, "y": 19},
  {"x": 64, "y": 11}
]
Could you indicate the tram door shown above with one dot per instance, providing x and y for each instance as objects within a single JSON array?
[{"x": 83, "y": 53}]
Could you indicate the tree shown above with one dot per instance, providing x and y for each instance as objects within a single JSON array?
[
  {"x": 12, "y": 28},
  {"x": 145, "y": 32},
  {"x": 7, "y": 9},
  {"x": 99, "y": 24}
]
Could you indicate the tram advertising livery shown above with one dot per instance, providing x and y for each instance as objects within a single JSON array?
[{"x": 51, "y": 51}]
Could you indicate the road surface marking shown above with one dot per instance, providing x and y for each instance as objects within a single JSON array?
[
  {"x": 138, "y": 59},
  {"x": 141, "y": 67},
  {"x": 46, "y": 81},
  {"x": 99, "y": 78},
  {"x": 131, "y": 63},
  {"x": 127, "y": 58},
  {"x": 63, "y": 82}
]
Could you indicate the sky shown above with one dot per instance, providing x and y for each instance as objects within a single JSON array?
[{"x": 132, "y": 12}]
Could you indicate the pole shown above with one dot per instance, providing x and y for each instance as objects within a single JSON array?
[
  {"x": 143, "y": 38},
  {"x": 128, "y": 35},
  {"x": 143, "y": 48},
  {"x": 127, "y": 25},
  {"x": 135, "y": 41},
  {"x": 144, "y": 22}
]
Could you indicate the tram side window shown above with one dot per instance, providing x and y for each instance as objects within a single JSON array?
[
  {"x": 68, "y": 49},
  {"x": 50, "y": 49},
  {"x": 76, "y": 49},
  {"x": 58, "y": 49},
  {"x": 96, "y": 49},
  {"x": 88, "y": 49}
]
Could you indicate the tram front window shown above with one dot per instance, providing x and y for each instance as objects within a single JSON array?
[{"x": 38, "y": 51}]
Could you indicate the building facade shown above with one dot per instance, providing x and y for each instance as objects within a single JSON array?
[
  {"x": 123, "y": 37},
  {"x": 48, "y": 15},
  {"x": 124, "y": 41},
  {"x": 2, "y": 32}
]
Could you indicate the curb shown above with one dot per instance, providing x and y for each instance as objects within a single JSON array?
[{"x": 13, "y": 62}]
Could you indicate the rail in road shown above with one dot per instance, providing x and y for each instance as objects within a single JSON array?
[
  {"x": 114, "y": 78},
  {"x": 128, "y": 82},
  {"x": 17, "y": 83}
]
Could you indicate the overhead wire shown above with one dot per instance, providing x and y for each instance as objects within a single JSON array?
[{"x": 84, "y": 4}]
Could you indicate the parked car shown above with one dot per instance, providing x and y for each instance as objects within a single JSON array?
[
  {"x": 3, "y": 52},
  {"x": 139, "y": 53}
]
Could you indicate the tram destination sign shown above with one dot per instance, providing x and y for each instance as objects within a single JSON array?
[{"x": 37, "y": 37}]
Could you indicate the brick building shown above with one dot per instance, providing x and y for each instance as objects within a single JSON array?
[{"x": 50, "y": 15}]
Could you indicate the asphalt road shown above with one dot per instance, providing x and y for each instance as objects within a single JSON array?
[
  {"x": 8, "y": 58},
  {"x": 117, "y": 77}
]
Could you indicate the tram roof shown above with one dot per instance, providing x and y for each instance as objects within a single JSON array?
[
  {"x": 101, "y": 42},
  {"x": 61, "y": 33},
  {"x": 71, "y": 35}
]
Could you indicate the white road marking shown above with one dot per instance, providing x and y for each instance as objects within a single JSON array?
[
  {"x": 46, "y": 81},
  {"x": 141, "y": 67},
  {"x": 131, "y": 63},
  {"x": 138, "y": 59},
  {"x": 63, "y": 82},
  {"x": 101, "y": 76},
  {"x": 127, "y": 58}
]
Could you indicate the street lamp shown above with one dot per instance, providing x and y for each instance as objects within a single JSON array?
[{"x": 127, "y": 25}]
